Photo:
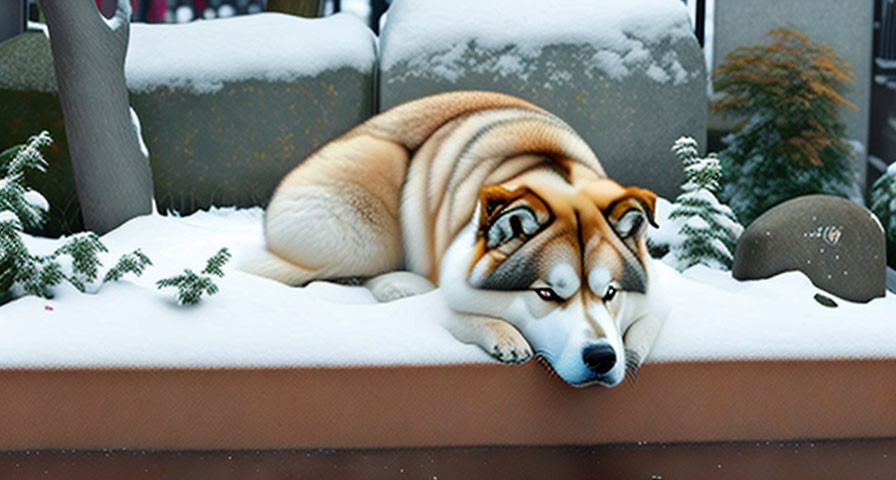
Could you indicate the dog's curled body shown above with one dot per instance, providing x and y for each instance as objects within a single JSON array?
[
  {"x": 488, "y": 196},
  {"x": 343, "y": 212}
]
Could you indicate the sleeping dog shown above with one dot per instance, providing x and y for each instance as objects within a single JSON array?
[{"x": 500, "y": 204}]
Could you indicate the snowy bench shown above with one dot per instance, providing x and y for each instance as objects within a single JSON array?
[{"x": 261, "y": 365}]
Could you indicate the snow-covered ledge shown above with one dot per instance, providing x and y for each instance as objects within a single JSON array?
[
  {"x": 261, "y": 365},
  {"x": 255, "y": 322}
]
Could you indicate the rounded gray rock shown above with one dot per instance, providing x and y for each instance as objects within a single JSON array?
[{"x": 838, "y": 244}]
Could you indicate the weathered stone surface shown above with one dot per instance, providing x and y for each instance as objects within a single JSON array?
[
  {"x": 838, "y": 244},
  {"x": 232, "y": 147},
  {"x": 222, "y": 141},
  {"x": 628, "y": 79}
]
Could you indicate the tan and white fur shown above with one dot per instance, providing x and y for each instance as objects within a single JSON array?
[{"x": 500, "y": 204}]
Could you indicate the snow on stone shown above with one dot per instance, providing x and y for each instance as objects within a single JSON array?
[
  {"x": 253, "y": 321},
  {"x": 204, "y": 54},
  {"x": 358, "y": 8},
  {"x": 622, "y": 33}
]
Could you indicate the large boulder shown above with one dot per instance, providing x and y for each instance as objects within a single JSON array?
[
  {"x": 838, "y": 244},
  {"x": 227, "y": 107},
  {"x": 627, "y": 75}
]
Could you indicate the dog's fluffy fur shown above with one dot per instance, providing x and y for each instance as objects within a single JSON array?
[{"x": 496, "y": 201}]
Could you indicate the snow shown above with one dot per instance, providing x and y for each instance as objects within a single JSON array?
[
  {"x": 135, "y": 122},
  {"x": 719, "y": 318},
  {"x": 258, "y": 322},
  {"x": 9, "y": 216},
  {"x": 202, "y": 55},
  {"x": 120, "y": 18},
  {"x": 668, "y": 231},
  {"x": 434, "y": 35},
  {"x": 358, "y": 8},
  {"x": 36, "y": 200}
]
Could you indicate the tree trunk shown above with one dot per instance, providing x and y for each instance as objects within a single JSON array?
[
  {"x": 112, "y": 173},
  {"x": 302, "y": 8}
]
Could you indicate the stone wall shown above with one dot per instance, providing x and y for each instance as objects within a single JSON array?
[
  {"x": 629, "y": 87},
  {"x": 629, "y": 91},
  {"x": 224, "y": 145}
]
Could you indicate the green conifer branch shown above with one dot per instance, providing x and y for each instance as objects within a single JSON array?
[
  {"x": 21, "y": 207},
  {"x": 191, "y": 286}
]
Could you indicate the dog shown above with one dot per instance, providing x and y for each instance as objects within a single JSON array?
[{"x": 499, "y": 203}]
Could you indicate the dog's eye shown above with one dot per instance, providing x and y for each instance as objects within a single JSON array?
[
  {"x": 611, "y": 293},
  {"x": 513, "y": 223},
  {"x": 548, "y": 295}
]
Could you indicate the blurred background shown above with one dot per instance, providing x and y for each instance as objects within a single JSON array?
[{"x": 182, "y": 11}]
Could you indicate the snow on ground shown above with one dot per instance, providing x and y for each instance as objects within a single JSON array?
[
  {"x": 434, "y": 35},
  {"x": 204, "y": 54},
  {"x": 258, "y": 322}
]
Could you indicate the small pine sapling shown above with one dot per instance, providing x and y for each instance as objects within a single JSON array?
[
  {"x": 704, "y": 230},
  {"x": 134, "y": 262},
  {"x": 190, "y": 285},
  {"x": 883, "y": 204},
  {"x": 791, "y": 140},
  {"x": 28, "y": 205},
  {"x": 22, "y": 208},
  {"x": 84, "y": 249}
]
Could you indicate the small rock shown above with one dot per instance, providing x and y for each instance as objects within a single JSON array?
[
  {"x": 833, "y": 241},
  {"x": 825, "y": 300}
]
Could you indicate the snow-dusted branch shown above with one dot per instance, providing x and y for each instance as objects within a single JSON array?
[{"x": 122, "y": 16}]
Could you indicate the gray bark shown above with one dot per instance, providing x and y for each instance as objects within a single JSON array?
[{"x": 112, "y": 174}]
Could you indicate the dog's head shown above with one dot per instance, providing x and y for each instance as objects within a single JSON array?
[{"x": 566, "y": 262}]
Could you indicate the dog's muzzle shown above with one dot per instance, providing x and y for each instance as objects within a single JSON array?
[{"x": 599, "y": 358}]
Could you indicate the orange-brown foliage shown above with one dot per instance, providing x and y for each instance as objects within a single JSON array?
[{"x": 795, "y": 78}]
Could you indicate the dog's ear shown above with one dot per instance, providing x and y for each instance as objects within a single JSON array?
[
  {"x": 629, "y": 212},
  {"x": 493, "y": 198},
  {"x": 505, "y": 214}
]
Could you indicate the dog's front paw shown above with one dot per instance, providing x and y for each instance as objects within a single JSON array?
[
  {"x": 506, "y": 343},
  {"x": 497, "y": 337}
]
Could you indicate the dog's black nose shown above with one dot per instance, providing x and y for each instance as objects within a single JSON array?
[{"x": 599, "y": 358}]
